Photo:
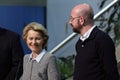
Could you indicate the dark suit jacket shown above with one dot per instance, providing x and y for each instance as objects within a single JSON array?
[
  {"x": 11, "y": 55},
  {"x": 95, "y": 59}
]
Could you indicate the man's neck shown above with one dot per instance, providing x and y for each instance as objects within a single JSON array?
[{"x": 85, "y": 29}]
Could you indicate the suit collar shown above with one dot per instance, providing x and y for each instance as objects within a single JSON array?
[
  {"x": 39, "y": 57},
  {"x": 87, "y": 34},
  {"x": 93, "y": 33}
]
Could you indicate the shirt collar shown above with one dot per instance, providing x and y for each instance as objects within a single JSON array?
[
  {"x": 87, "y": 34},
  {"x": 39, "y": 57}
]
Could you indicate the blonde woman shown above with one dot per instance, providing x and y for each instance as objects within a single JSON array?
[{"x": 39, "y": 65}]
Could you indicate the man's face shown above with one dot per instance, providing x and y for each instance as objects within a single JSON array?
[{"x": 75, "y": 22}]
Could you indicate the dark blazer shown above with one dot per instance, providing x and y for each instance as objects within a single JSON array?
[
  {"x": 95, "y": 59},
  {"x": 11, "y": 55}
]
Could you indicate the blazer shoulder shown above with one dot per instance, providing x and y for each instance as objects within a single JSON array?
[
  {"x": 47, "y": 55},
  {"x": 26, "y": 58},
  {"x": 26, "y": 55}
]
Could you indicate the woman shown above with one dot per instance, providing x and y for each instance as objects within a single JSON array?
[{"x": 39, "y": 65}]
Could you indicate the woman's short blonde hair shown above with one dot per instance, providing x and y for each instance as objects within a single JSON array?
[{"x": 36, "y": 27}]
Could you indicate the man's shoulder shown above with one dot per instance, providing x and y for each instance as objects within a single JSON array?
[
  {"x": 11, "y": 32},
  {"x": 100, "y": 33},
  {"x": 7, "y": 32},
  {"x": 102, "y": 36}
]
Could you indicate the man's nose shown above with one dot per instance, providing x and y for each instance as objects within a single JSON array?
[{"x": 69, "y": 22}]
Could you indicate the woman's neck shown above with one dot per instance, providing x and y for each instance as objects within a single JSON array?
[{"x": 36, "y": 53}]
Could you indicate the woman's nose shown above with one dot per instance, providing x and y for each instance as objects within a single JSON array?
[{"x": 34, "y": 41}]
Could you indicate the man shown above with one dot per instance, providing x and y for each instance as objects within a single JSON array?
[
  {"x": 95, "y": 58},
  {"x": 11, "y": 55}
]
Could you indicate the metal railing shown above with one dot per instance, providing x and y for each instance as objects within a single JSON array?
[{"x": 60, "y": 45}]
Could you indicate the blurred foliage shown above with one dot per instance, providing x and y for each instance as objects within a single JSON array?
[
  {"x": 66, "y": 66},
  {"x": 110, "y": 21}
]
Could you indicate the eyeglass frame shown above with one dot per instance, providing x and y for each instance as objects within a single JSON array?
[{"x": 73, "y": 18}]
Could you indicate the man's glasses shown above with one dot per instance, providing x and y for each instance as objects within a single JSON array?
[{"x": 73, "y": 18}]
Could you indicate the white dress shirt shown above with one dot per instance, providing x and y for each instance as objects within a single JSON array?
[
  {"x": 39, "y": 57},
  {"x": 87, "y": 34}
]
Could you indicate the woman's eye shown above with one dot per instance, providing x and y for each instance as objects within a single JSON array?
[{"x": 30, "y": 38}]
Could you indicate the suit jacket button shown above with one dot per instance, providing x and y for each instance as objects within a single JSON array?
[{"x": 82, "y": 45}]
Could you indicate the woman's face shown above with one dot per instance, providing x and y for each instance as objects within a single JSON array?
[{"x": 34, "y": 41}]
